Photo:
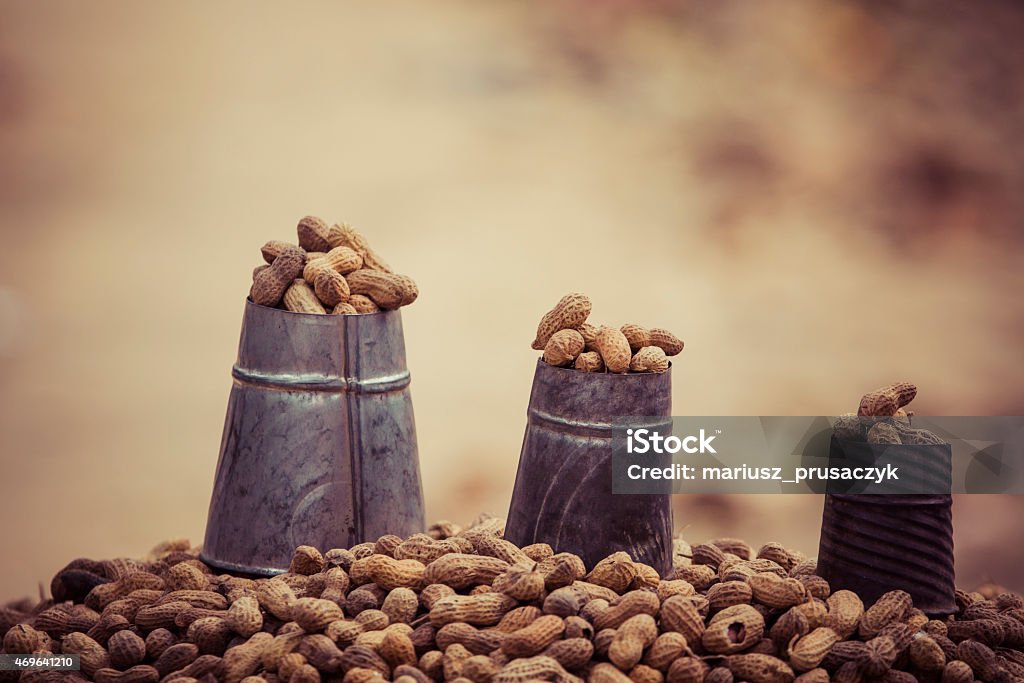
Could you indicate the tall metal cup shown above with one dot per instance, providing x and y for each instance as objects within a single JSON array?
[
  {"x": 563, "y": 491},
  {"x": 319, "y": 444}
]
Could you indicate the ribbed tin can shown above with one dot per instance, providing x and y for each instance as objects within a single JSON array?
[
  {"x": 872, "y": 544},
  {"x": 563, "y": 490},
  {"x": 319, "y": 444}
]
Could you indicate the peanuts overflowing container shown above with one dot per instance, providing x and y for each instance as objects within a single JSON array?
[{"x": 468, "y": 605}]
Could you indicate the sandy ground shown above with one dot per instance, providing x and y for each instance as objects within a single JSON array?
[{"x": 819, "y": 198}]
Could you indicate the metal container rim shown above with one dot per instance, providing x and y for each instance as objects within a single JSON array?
[
  {"x": 604, "y": 373},
  {"x": 250, "y": 302}
]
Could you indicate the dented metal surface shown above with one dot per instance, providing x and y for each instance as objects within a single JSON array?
[
  {"x": 563, "y": 490},
  {"x": 319, "y": 443}
]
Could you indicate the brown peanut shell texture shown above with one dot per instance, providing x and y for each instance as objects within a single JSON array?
[
  {"x": 614, "y": 349},
  {"x": 384, "y": 289},
  {"x": 331, "y": 288},
  {"x": 272, "y": 249},
  {"x": 340, "y": 259},
  {"x": 666, "y": 341},
  {"x": 363, "y": 304},
  {"x": 888, "y": 400},
  {"x": 300, "y": 298},
  {"x": 269, "y": 286},
  {"x": 343, "y": 235},
  {"x": 563, "y": 347},
  {"x": 571, "y": 311},
  {"x": 345, "y": 308},
  {"x": 312, "y": 233},
  {"x": 468, "y": 606},
  {"x": 649, "y": 359},
  {"x": 589, "y": 361},
  {"x": 637, "y": 336}
]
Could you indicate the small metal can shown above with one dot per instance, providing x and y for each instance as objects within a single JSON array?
[
  {"x": 874, "y": 543},
  {"x": 319, "y": 444},
  {"x": 563, "y": 491}
]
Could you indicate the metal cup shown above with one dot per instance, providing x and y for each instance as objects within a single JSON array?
[
  {"x": 872, "y": 544},
  {"x": 319, "y": 444},
  {"x": 563, "y": 490}
]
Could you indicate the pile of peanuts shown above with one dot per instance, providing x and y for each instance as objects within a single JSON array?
[
  {"x": 883, "y": 418},
  {"x": 332, "y": 269},
  {"x": 567, "y": 339},
  {"x": 467, "y": 606}
]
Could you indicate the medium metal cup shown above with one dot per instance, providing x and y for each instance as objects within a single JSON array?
[
  {"x": 319, "y": 444},
  {"x": 563, "y": 490}
]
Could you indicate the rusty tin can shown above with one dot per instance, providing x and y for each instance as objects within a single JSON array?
[
  {"x": 872, "y": 544},
  {"x": 563, "y": 491},
  {"x": 319, "y": 444}
]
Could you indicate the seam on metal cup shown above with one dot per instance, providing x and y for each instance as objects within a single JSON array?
[
  {"x": 337, "y": 385},
  {"x": 594, "y": 428}
]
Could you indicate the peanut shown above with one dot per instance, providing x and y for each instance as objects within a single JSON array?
[
  {"x": 363, "y": 304},
  {"x": 389, "y": 573},
  {"x": 571, "y": 311},
  {"x": 400, "y": 605},
  {"x": 571, "y": 653},
  {"x": 126, "y": 650},
  {"x": 680, "y": 614},
  {"x": 460, "y": 570},
  {"x": 732, "y": 630},
  {"x": 635, "y": 635},
  {"x": 589, "y": 333},
  {"x": 479, "y": 610},
  {"x": 649, "y": 359},
  {"x": 344, "y": 308},
  {"x": 615, "y": 572},
  {"x": 807, "y": 652},
  {"x": 93, "y": 656},
  {"x": 272, "y": 249},
  {"x": 883, "y": 433},
  {"x": 244, "y": 616},
  {"x": 887, "y": 400},
  {"x": 614, "y": 349},
  {"x": 563, "y": 347},
  {"x": 666, "y": 648},
  {"x": 890, "y": 607},
  {"x": 312, "y": 233},
  {"x": 270, "y": 285},
  {"x": 341, "y": 260},
  {"x": 300, "y": 298},
  {"x": 331, "y": 288},
  {"x": 314, "y": 614},
  {"x": 637, "y": 336},
  {"x": 345, "y": 235},
  {"x": 386, "y": 290},
  {"x": 589, "y": 361},
  {"x": 758, "y": 668},
  {"x": 773, "y": 591},
  {"x": 532, "y": 639},
  {"x": 666, "y": 341},
  {"x": 687, "y": 670}
]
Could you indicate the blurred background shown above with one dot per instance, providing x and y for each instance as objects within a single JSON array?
[{"x": 820, "y": 198}]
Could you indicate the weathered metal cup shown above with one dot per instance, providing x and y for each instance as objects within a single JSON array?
[
  {"x": 874, "y": 543},
  {"x": 319, "y": 444},
  {"x": 563, "y": 491}
]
